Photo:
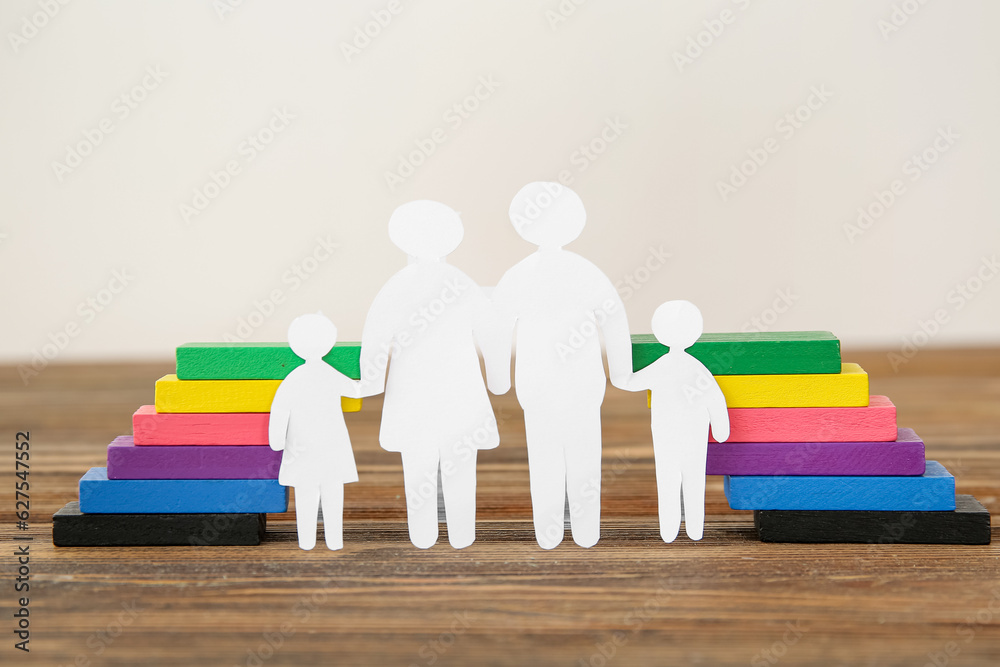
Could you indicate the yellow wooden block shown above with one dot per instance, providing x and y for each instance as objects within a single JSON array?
[
  {"x": 350, "y": 404},
  {"x": 200, "y": 396},
  {"x": 846, "y": 389}
]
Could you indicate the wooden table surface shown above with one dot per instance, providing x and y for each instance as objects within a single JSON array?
[{"x": 629, "y": 600}]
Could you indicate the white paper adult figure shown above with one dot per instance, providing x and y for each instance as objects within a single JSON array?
[
  {"x": 561, "y": 304},
  {"x": 686, "y": 400},
  {"x": 427, "y": 319},
  {"x": 307, "y": 423}
]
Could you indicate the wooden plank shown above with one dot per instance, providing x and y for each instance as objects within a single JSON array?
[
  {"x": 846, "y": 389},
  {"x": 173, "y": 395},
  {"x": 127, "y": 461},
  {"x": 875, "y": 422},
  {"x": 969, "y": 523},
  {"x": 754, "y": 353},
  {"x": 72, "y": 528},
  {"x": 932, "y": 491},
  {"x": 256, "y": 361},
  {"x": 212, "y": 428},
  {"x": 904, "y": 456},
  {"x": 100, "y": 495}
]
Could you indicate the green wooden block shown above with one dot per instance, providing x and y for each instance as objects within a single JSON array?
[
  {"x": 756, "y": 353},
  {"x": 256, "y": 361}
]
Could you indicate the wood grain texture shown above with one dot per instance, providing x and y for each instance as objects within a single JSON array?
[
  {"x": 753, "y": 353},
  {"x": 72, "y": 528},
  {"x": 128, "y": 461},
  {"x": 256, "y": 361},
  {"x": 932, "y": 491},
  {"x": 100, "y": 495},
  {"x": 849, "y": 388},
  {"x": 969, "y": 523},
  {"x": 720, "y": 602},
  {"x": 213, "y": 428},
  {"x": 875, "y": 422},
  {"x": 174, "y": 395},
  {"x": 904, "y": 456}
]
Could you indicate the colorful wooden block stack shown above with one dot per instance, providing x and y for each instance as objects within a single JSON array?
[
  {"x": 198, "y": 469},
  {"x": 816, "y": 457}
]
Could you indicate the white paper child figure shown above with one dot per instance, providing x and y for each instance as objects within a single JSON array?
[
  {"x": 561, "y": 305},
  {"x": 685, "y": 401},
  {"x": 424, "y": 326},
  {"x": 308, "y": 424}
]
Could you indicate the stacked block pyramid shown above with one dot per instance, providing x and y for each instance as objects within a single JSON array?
[
  {"x": 810, "y": 451},
  {"x": 198, "y": 469},
  {"x": 816, "y": 457}
]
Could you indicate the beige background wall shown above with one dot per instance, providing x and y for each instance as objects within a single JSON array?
[{"x": 198, "y": 80}]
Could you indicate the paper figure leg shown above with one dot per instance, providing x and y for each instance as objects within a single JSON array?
[
  {"x": 693, "y": 487},
  {"x": 458, "y": 483},
  {"x": 420, "y": 471},
  {"x": 306, "y": 515},
  {"x": 668, "y": 486},
  {"x": 547, "y": 474},
  {"x": 583, "y": 478},
  {"x": 333, "y": 515}
]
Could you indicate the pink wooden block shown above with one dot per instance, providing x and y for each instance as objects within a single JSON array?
[
  {"x": 875, "y": 423},
  {"x": 152, "y": 428}
]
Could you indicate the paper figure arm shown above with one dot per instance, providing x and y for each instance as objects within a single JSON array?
[
  {"x": 639, "y": 380},
  {"x": 617, "y": 341},
  {"x": 376, "y": 337},
  {"x": 347, "y": 387},
  {"x": 277, "y": 424},
  {"x": 718, "y": 412},
  {"x": 496, "y": 338}
]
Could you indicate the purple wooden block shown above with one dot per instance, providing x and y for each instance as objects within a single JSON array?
[
  {"x": 128, "y": 461},
  {"x": 905, "y": 456}
]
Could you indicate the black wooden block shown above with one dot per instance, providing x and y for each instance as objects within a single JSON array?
[
  {"x": 968, "y": 524},
  {"x": 71, "y": 528}
]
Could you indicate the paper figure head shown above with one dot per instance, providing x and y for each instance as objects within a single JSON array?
[
  {"x": 312, "y": 336},
  {"x": 425, "y": 229},
  {"x": 677, "y": 324},
  {"x": 549, "y": 215}
]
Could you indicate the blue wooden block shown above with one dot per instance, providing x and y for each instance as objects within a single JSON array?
[
  {"x": 100, "y": 495},
  {"x": 934, "y": 491}
]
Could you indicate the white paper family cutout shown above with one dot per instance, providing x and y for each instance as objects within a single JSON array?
[
  {"x": 685, "y": 401},
  {"x": 307, "y": 424},
  {"x": 420, "y": 346}
]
